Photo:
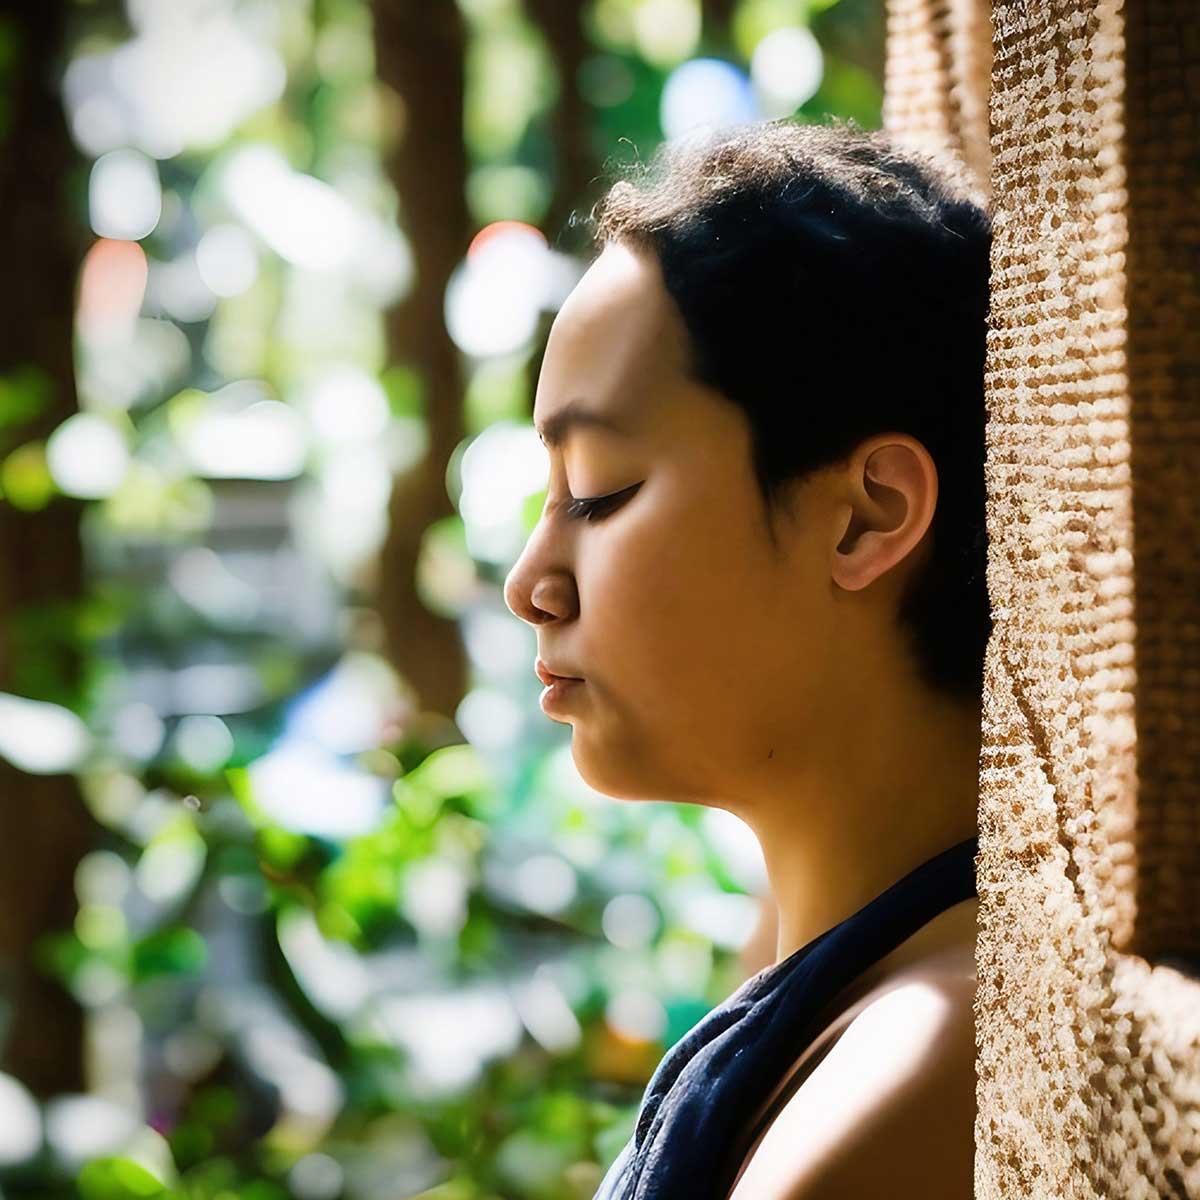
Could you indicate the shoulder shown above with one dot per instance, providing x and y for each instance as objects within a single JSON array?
[{"x": 889, "y": 1110}]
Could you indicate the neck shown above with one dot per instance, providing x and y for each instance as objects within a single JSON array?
[{"x": 837, "y": 831}]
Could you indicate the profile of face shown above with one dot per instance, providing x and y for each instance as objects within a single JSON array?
[{"x": 707, "y": 655}]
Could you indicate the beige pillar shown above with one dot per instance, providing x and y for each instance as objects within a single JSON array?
[{"x": 1080, "y": 119}]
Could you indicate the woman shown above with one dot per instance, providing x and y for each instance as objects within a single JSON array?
[{"x": 759, "y": 580}]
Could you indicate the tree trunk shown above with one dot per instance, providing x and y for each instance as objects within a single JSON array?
[
  {"x": 717, "y": 20},
  {"x": 45, "y": 826},
  {"x": 561, "y": 23},
  {"x": 419, "y": 54}
]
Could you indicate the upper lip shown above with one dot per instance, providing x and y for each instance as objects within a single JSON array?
[{"x": 547, "y": 675}]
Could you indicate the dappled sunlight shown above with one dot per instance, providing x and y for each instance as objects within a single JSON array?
[
  {"x": 630, "y": 921},
  {"x": 336, "y": 932},
  {"x": 726, "y": 918},
  {"x": 40, "y": 737},
  {"x": 705, "y": 93},
  {"x": 242, "y": 433},
  {"x": 495, "y": 296},
  {"x": 20, "y": 1123},
  {"x": 227, "y": 259},
  {"x": 489, "y": 719},
  {"x": 206, "y": 581},
  {"x": 546, "y": 1011},
  {"x": 448, "y": 1036},
  {"x": 124, "y": 195},
  {"x": 87, "y": 456},
  {"x": 190, "y": 74},
  {"x": 636, "y": 1014},
  {"x": 786, "y": 70},
  {"x": 500, "y": 469},
  {"x": 311, "y": 224},
  {"x": 295, "y": 781}
]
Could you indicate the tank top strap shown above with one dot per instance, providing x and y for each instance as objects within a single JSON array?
[{"x": 691, "y": 1120}]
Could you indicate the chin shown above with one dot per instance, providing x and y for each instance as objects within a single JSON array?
[{"x": 617, "y": 785}]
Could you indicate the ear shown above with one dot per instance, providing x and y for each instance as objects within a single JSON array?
[{"x": 892, "y": 489}]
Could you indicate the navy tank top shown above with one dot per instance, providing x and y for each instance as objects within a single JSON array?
[{"x": 691, "y": 1123}]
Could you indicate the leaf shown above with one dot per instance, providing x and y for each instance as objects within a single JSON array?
[
  {"x": 116, "y": 1178},
  {"x": 177, "y": 951},
  {"x": 25, "y": 479},
  {"x": 24, "y": 393}
]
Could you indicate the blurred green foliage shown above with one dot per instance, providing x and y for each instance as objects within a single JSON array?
[{"x": 445, "y": 1003}]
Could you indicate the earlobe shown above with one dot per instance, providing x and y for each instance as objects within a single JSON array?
[{"x": 858, "y": 560}]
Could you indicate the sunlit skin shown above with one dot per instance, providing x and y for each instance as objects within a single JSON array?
[{"x": 775, "y": 684}]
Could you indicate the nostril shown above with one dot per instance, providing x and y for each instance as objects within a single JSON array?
[
  {"x": 522, "y": 607},
  {"x": 552, "y": 597}
]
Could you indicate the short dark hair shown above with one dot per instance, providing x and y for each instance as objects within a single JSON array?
[{"x": 835, "y": 286}]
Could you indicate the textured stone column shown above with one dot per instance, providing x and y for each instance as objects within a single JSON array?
[{"x": 1088, "y": 1012}]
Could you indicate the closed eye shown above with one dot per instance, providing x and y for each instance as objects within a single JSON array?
[{"x": 595, "y": 508}]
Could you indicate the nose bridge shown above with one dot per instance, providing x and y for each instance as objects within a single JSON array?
[
  {"x": 530, "y": 589},
  {"x": 518, "y": 583}
]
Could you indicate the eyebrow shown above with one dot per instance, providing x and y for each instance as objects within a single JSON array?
[{"x": 553, "y": 431}]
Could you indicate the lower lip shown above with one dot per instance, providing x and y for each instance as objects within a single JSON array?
[{"x": 558, "y": 692}]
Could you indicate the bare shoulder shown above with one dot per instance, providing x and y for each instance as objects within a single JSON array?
[{"x": 889, "y": 1110}]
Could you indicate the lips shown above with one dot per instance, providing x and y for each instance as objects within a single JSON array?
[{"x": 546, "y": 675}]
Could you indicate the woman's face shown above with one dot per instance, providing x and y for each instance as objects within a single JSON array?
[{"x": 702, "y": 652}]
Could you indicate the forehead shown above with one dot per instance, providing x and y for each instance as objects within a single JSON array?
[{"x": 616, "y": 340}]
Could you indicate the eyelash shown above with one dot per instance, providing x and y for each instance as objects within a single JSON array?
[{"x": 597, "y": 507}]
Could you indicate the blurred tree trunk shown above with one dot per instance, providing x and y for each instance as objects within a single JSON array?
[
  {"x": 561, "y": 24},
  {"x": 45, "y": 826},
  {"x": 716, "y": 22},
  {"x": 419, "y": 51},
  {"x": 854, "y": 31}
]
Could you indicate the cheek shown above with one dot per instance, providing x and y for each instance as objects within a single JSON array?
[{"x": 668, "y": 595}]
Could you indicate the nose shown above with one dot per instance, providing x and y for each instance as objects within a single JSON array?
[{"x": 538, "y": 595}]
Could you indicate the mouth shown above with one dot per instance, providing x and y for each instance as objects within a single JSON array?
[{"x": 549, "y": 677}]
